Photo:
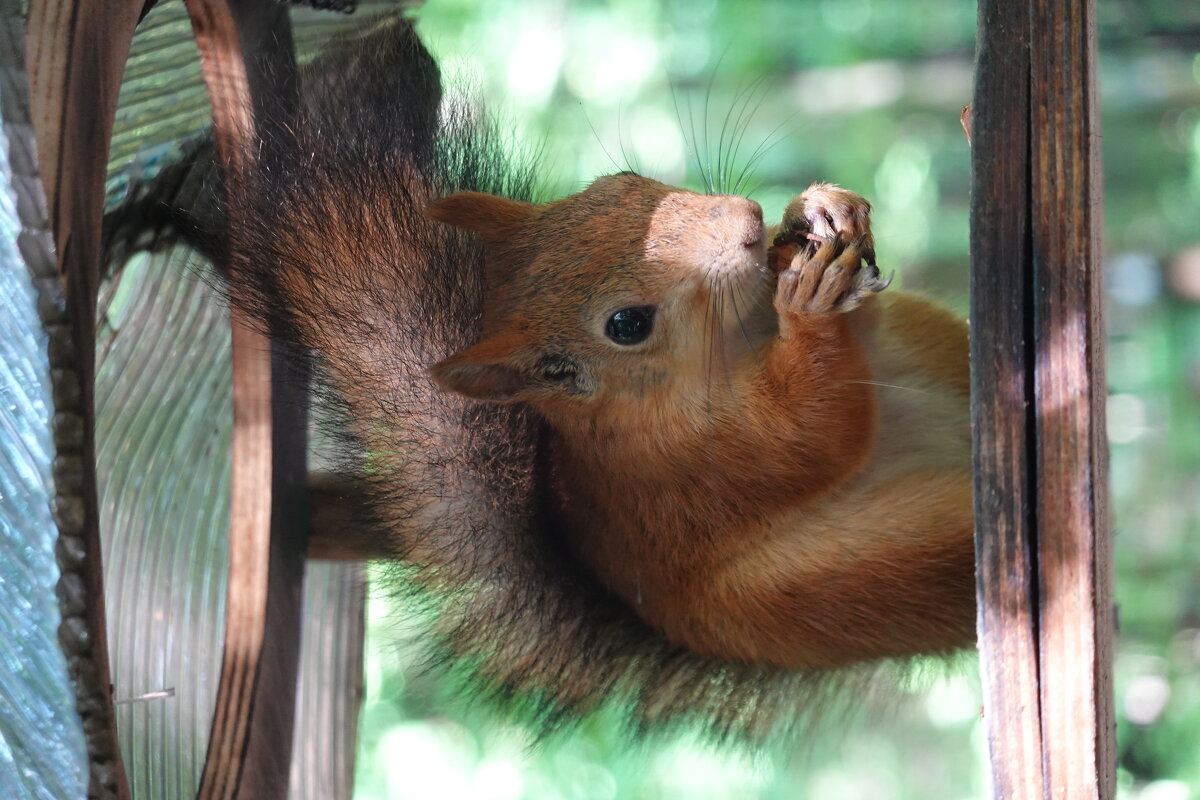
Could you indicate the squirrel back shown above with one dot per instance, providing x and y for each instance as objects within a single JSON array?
[{"x": 499, "y": 517}]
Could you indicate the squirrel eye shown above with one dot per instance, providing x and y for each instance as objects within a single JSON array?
[{"x": 630, "y": 325}]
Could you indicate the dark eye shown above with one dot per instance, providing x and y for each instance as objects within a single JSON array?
[{"x": 630, "y": 325}]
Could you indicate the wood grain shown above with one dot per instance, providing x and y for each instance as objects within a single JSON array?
[
  {"x": 76, "y": 53},
  {"x": 1075, "y": 564},
  {"x": 1001, "y": 389},
  {"x": 1044, "y": 567},
  {"x": 249, "y": 563}
]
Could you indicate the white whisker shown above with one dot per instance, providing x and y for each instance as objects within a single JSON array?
[{"x": 892, "y": 386}]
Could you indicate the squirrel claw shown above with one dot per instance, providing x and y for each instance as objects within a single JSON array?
[
  {"x": 836, "y": 278},
  {"x": 869, "y": 279},
  {"x": 824, "y": 253}
]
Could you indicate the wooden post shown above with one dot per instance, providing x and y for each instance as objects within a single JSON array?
[{"x": 1037, "y": 354}]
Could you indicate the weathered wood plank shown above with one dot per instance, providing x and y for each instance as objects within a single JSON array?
[
  {"x": 1044, "y": 580},
  {"x": 1076, "y": 624},
  {"x": 1001, "y": 389},
  {"x": 76, "y": 55},
  {"x": 251, "y": 741}
]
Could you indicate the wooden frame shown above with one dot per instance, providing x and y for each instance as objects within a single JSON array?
[
  {"x": 1045, "y": 619},
  {"x": 77, "y": 55}
]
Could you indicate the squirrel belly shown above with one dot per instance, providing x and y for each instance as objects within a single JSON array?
[
  {"x": 732, "y": 555},
  {"x": 770, "y": 463}
]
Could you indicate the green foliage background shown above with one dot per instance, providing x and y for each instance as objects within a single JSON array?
[{"x": 866, "y": 94}]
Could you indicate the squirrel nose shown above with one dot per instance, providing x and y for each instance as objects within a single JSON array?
[
  {"x": 754, "y": 233},
  {"x": 744, "y": 218}
]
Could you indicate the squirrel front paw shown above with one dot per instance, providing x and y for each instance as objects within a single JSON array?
[{"x": 824, "y": 253}]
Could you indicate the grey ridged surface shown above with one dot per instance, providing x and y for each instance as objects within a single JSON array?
[
  {"x": 163, "y": 421},
  {"x": 163, "y": 413},
  {"x": 42, "y": 748},
  {"x": 331, "y": 681}
]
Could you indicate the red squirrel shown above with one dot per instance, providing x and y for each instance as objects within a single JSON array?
[
  {"x": 631, "y": 446},
  {"x": 766, "y": 462}
]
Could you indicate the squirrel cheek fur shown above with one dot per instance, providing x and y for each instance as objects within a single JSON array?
[{"x": 706, "y": 475}]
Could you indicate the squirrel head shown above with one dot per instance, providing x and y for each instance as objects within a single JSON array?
[{"x": 603, "y": 297}]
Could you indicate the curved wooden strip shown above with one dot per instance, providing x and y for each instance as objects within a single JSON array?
[
  {"x": 250, "y": 744},
  {"x": 76, "y": 54},
  {"x": 249, "y": 554}
]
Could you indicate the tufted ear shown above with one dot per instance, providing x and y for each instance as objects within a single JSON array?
[
  {"x": 493, "y": 370},
  {"x": 496, "y": 218}
]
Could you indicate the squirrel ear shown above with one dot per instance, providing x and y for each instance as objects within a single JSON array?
[
  {"x": 489, "y": 370},
  {"x": 496, "y": 218}
]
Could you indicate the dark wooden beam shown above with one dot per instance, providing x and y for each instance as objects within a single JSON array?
[
  {"x": 339, "y": 524},
  {"x": 1044, "y": 577},
  {"x": 1000, "y": 390}
]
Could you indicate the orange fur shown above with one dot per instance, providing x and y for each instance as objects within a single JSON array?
[{"x": 780, "y": 473}]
